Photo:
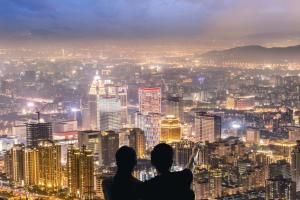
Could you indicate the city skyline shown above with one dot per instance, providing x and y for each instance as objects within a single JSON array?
[{"x": 150, "y": 99}]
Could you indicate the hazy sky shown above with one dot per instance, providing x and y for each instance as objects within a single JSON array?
[{"x": 150, "y": 19}]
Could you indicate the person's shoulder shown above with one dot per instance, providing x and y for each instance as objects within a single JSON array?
[
  {"x": 185, "y": 175},
  {"x": 108, "y": 181}
]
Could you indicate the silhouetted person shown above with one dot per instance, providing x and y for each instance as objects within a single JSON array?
[
  {"x": 167, "y": 185},
  {"x": 123, "y": 186}
]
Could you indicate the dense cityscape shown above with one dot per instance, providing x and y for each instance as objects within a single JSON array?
[
  {"x": 149, "y": 100},
  {"x": 63, "y": 117}
]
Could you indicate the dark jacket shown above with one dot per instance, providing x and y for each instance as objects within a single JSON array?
[{"x": 173, "y": 186}]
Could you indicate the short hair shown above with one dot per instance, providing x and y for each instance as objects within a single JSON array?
[
  {"x": 126, "y": 158},
  {"x": 162, "y": 157}
]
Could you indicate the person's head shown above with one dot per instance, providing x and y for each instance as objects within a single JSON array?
[
  {"x": 126, "y": 159},
  {"x": 162, "y": 157}
]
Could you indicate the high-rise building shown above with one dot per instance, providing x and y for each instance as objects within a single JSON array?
[
  {"x": 174, "y": 106},
  {"x": 31, "y": 166},
  {"x": 49, "y": 166},
  {"x": 252, "y": 135},
  {"x": 90, "y": 139},
  {"x": 170, "y": 129},
  {"x": 109, "y": 144},
  {"x": 15, "y": 164},
  {"x": 37, "y": 132},
  {"x": 280, "y": 188},
  {"x": 137, "y": 141},
  {"x": 149, "y": 100},
  {"x": 134, "y": 138},
  {"x": 280, "y": 168},
  {"x": 150, "y": 124},
  {"x": 207, "y": 127},
  {"x": 107, "y": 104},
  {"x": 96, "y": 91},
  {"x": 110, "y": 113},
  {"x": 295, "y": 166},
  {"x": 183, "y": 151},
  {"x": 80, "y": 172}
]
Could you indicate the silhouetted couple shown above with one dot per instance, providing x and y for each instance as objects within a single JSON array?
[{"x": 166, "y": 185}]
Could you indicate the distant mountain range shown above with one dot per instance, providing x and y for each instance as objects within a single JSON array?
[{"x": 255, "y": 54}]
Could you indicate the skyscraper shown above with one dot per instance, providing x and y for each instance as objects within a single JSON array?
[
  {"x": 37, "y": 132},
  {"x": 207, "y": 127},
  {"x": 295, "y": 166},
  {"x": 135, "y": 138},
  {"x": 137, "y": 141},
  {"x": 107, "y": 104},
  {"x": 91, "y": 140},
  {"x": 49, "y": 166},
  {"x": 96, "y": 91},
  {"x": 110, "y": 113},
  {"x": 183, "y": 151},
  {"x": 150, "y": 124},
  {"x": 280, "y": 188},
  {"x": 31, "y": 166},
  {"x": 80, "y": 172},
  {"x": 15, "y": 164},
  {"x": 174, "y": 106},
  {"x": 170, "y": 129},
  {"x": 149, "y": 100},
  {"x": 109, "y": 144}
]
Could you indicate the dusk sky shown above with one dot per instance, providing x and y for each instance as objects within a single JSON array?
[{"x": 150, "y": 19}]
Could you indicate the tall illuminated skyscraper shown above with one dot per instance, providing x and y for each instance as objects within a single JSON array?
[
  {"x": 107, "y": 104},
  {"x": 90, "y": 139},
  {"x": 80, "y": 173},
  {"x": 96, "y": 91},
  {"x": 110, "y": 114},
  {"x": 135, "y": 138},
  {"x": 174, "y": 106},
  {"x": 49, "y": 166},
  {"x": 109, "y": 144},
  {"x": 15, "y": 164},
  {"x": 280, "y": 188},
  {"x": 37, "y": 132},
  {"x": 207, "y": 127},
  {"x": 150, "y": 124},
  {"x": 183, "y": 151},
  {"x": 149, "y": 100},
  {"x": 31, "y": 167},
  {"x": 295, "y": 166},
  {"x": 170, "y": 129}
]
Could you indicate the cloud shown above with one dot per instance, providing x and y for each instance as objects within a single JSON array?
[{"x": 146, "y": 18}]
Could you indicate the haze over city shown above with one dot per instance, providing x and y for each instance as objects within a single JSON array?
[{"x": 150, "y": 99}]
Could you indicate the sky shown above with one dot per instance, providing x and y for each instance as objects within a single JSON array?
[{"x": 207, "y": 20}]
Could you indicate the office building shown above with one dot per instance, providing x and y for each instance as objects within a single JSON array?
[
  {"x": 183, "y": 151},
  {"x": 49, "y": 166},
  {"x": 280, "y": 188},
  {"x": 91, "y": 140},
  {"x": 170, "y": 129},
  {"x": 295, "y": 166},
  {"x": 207, "y": 127},
  {"x": 31, "y": 167},
  {"x": 80, "y": 173},
  {"x": 110, "y": 114},
  {"x": 134, "y": 138},
  {"x": 150, "y": 124},
  {"x": 37, "y": 132},
  {"x": 149, "y": 100},
  {"x": 109, "y": 144},
  {"x": 253, "y": 135},
  {"x": 174, "y": 106},
  {"x": 15, "y": 164}
]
